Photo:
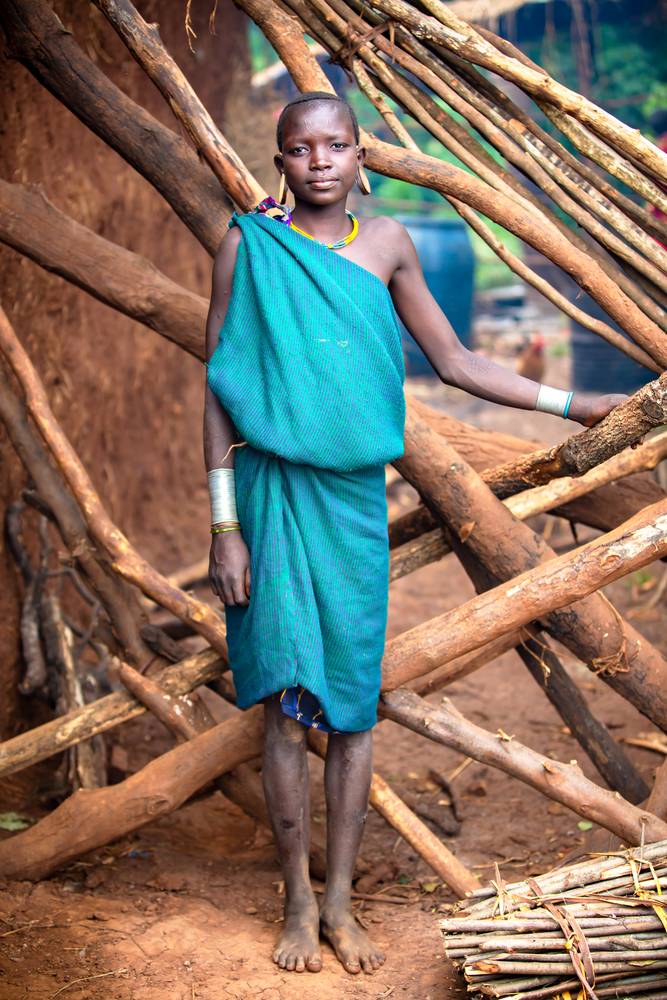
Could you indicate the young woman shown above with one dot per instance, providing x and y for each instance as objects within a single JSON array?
[{"x": 304, "y": 408}]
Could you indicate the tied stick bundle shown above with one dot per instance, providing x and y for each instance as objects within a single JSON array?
[{"x": 597, "y": 928}]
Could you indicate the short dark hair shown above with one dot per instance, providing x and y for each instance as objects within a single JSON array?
[{"x": 314, "y": 95}]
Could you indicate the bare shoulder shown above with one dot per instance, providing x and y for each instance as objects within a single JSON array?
[
  {"x": 384, "y": 227},
  {"x": 391, "y": 236},
  {"x": 225, "y": 257},
  {"x": 229, "y": 243}
]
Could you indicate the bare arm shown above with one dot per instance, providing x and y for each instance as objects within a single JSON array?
[
  {"x": 451, "y": 360},
  {"x": 229, "y": 562},
  {"x": 219, "y": 431}
]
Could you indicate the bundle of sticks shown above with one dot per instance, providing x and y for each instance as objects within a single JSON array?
[{"x": 587, "y": 930}]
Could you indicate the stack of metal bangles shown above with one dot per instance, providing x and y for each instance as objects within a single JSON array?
[
  {"x": 221, "y": 485},
  {"x": 556, "y": 401}
]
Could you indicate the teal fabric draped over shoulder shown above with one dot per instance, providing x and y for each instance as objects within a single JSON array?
[{"x": 309, "y": 366}]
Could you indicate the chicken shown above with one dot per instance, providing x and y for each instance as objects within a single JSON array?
[{"x": 530, "y": 361}]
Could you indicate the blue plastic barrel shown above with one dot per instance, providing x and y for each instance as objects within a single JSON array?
[
  {"x": 448, "y": 262},
  {"x": 596, "y": 365}
]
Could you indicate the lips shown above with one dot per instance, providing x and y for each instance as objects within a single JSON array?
[{"x": 323, "y": 183}]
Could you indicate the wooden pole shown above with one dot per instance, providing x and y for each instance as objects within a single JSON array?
[
  {"x": 563, "y": 782},
  {"x": 106, "y": 713},
  {"x": 591, "y": 734},
  {"x": 143, "y": 41},
  {"x": 461, "y": 38},
  {"x": 493, "y": 546},
  {"x": 91, "y": 818},
  {"x": 126, "y": 560},
  {"x": 117, "y": 597},
  {"x": 625, "y": 425},
  {"x": 554, "y": 584},
  {"x": 126, "y": 281},
  {"x": 38, "y": 39}
]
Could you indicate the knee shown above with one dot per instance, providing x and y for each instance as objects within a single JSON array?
[{"x": 279, "y": 727}]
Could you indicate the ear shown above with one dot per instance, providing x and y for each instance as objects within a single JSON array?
[
  {"x": 278, "y": 161},
  {"x": 361, "y": 155}
]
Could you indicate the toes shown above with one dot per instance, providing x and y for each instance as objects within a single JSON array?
[
  {"x": 377, "y": 959},
  {"x": 366, "y": 965},
  {"x": 300, "y": 964},
  {"x": 314, "y": 963},
  {"x": 282, "y": 959},
  {"x": 291, "y": 963},
  {"x": 351, "y": 965}
]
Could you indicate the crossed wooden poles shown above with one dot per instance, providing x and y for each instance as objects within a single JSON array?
[{"x": 524, "y": 589}]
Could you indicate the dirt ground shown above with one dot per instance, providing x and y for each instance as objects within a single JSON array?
[{"x": 189, "y": 906}]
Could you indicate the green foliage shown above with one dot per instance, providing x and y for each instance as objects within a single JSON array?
[
  {"x": 262, "y": 53},
  {"x": 656, "y": 99}
]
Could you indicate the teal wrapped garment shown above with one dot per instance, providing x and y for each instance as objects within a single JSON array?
[{"x": 309, "y": 366}]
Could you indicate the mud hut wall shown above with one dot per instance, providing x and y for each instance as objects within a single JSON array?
[{"x": 130, "y": 402}]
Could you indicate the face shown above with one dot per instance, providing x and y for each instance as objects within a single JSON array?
[{"x": 320, "y": 155}]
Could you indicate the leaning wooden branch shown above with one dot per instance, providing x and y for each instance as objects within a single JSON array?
[
  {"x": 37, "y": 38},
  {"x": 126, "y": 560},
  {"x": 117, "y": 597},
  {"x": 121, "y": 279},
  {"x": 564, "y": 782},
  {"x": 606, "y": 754},
  {"x": 493, "y": 546},
  {"x": 143, "y": 41},
  {"x": 104, "y": 714},
  {"x": 90, "y": 818},
  {"x": 628, "y": 423},
  {"x": 535, "y": 593},
  {"x": 462, "y": 39}
]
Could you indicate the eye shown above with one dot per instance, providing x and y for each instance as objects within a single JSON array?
[
  {"x": 341, "y": 145},
  {"x": 296, "y": 149}
]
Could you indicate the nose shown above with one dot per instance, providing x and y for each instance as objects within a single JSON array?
[{"x": 319, "y": 158}]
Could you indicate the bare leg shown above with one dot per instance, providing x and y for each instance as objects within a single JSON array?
[
  {"x": 285, "y": 776},
  {"x": 347, "y": 779}
]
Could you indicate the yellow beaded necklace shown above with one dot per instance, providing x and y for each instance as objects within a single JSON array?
[{"x": 339, "y": 243}]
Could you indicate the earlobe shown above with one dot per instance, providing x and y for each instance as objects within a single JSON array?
[{"x": 362, "y": 180}]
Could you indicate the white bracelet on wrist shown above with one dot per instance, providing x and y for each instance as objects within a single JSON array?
[
  {"x": 556, "y": 401},
  {"x": 222, "y": 493}
]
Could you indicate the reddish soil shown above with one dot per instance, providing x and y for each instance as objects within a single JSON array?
[{"x": 190, "y": 905}]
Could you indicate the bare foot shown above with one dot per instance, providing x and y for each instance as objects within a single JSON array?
[
  {"x": 298, "y": 946},
  {"x": 354, "y": 949}
]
